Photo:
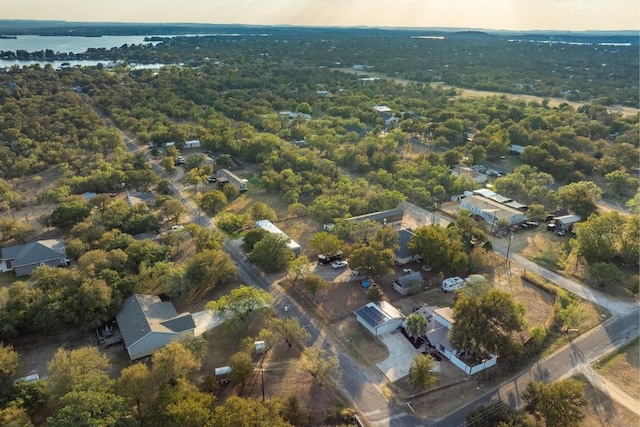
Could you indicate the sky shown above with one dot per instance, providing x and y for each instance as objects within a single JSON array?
[{"x": 572, "y": 15}]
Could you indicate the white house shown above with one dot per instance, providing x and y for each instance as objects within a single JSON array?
[
  {"x": 491, "y": 211},
  {"x": 271, "y": 228},
  {"x": 439, "y": 322},
  {"x": 379, "y": 319},
  {"x": 225, "y": 176}
]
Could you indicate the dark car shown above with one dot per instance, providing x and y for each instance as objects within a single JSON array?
[
  {"x": 328, "y": 259},
  {"x": 211, "y": 179}
]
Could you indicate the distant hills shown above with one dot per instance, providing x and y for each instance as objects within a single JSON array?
[{"x": 13, "y": 27}]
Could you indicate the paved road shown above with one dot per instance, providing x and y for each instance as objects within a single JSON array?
[
  {"x": 575, "y": 357},
  {"x": 361, "y": 386}
]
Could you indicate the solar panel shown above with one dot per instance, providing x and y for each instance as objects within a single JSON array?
[{"x": 372, "y": 316}]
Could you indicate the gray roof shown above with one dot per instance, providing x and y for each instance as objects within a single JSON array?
[
  {"x": 407, "y": 279},
  {"x": 35, "y": 252},
  {"x": 377, "y": 216},
  {"x": 142, "y": 314},
  {"x": 404, "y": 236}
]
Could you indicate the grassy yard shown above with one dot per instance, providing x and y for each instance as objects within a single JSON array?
[{"x": 622, "y": 367}]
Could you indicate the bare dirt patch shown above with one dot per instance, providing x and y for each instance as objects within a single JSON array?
[
  {"x": 623, "y": 368},
  {"x": 601, "y": 411}
]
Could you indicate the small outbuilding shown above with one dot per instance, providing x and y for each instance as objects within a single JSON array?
[
  {"x": 379, "y": 318},
  {"x": 408, "y": 283}
]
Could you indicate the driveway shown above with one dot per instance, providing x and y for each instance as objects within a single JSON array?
[{"x": 401, "y": 354}]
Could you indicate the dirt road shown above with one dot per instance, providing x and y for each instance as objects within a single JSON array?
[{"x": 472, "y": 93}]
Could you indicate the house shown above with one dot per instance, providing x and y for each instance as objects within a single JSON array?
[
  {"x": 194, "y": 143},
  {"x": 389, "y": 120},
  {"x": 23, "y": 259},
  {"x": 136, "y": 198},
  {"x": 439, "y": 322},
  {"x": 566, "y": 222},
  {"x": 225, "y": 176},
  {"x": 403, "y": 255},
  {"x": 491, "y": 211},
  {"x": 500, "y": 199},
  {"x": 388, "y": 217},
  {"x": 379, "y": 318},
  {"x": 381, "y": 109},
  {"x": 148, "y": 324},
  {"x": 516, "y": 149},
  {"x": 406, "y": 284},
  {"x": 271, "y": 228},
  {"x": 484, "y": 192},
  {"x": 460, "y": 170}
]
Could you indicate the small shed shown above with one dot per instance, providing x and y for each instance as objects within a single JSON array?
[
  {"x": 405, "y": 284},
  {"x": 379, "y": 319}
]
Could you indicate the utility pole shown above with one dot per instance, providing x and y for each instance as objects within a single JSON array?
[{"x": 509, "y": 248}]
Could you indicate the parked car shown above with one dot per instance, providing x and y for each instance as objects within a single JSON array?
[
  {"x": 339, "y": 264},
  {"x": 177, "y": 227},
  {"x": 532, "y": 223},
  {"x": 328, "y": 259},
  {"x": 452, "y": 283},
  {"x": 211, "y": 179}
]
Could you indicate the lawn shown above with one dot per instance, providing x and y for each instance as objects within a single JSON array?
[{"x": 622, "y": 368}]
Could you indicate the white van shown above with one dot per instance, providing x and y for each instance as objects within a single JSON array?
[{"x": 452, "y": 283}]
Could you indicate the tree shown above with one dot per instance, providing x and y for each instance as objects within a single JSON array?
[
  {"x": 138, "y": 388},
  {"x": 15, "y": 416},
  {"x": 299, "y": 268},
  {"x": 416, "y": 325},
  {"x": 9, "y": 363},
  {"x": 580, "y": 197},
  {"x": 598, "y": 238},
  {"x": 314, "y": 283},
  {"x": 241, "y": 368},
  {"x": 174, "y": 209},
  {"x": 241, "y": 302},
  {"x": 325, "y": 243},
  {"x": 172, "y": 363},
  {"x": 421, "y": 376},
  {"x": 440, "y": 248},
  {"x": 213, "y": 200},
  {"x": 571, "y": 316},
  {"x": 70, "y": 213},
  {"x": 559, "y": 404},
  {"x": 536, "y": 212},
  {"x": 184, "y": 405},
  {"x": 477, "y": 154},
  {"x": 324, "y": 370},
  {"x": 237, "y": 411},
  {"x": 209, "y": 268},
  {"x": 496, "y": 414},
  {"x": 486, "y": 322},
  {"x": 604, "y": 274},
  {"x": 272, "y": 253},
  {"x": 252, "y": 237},
  {"x": 290, "y": 329},
  {"x": 89, "y": 408},
  {"x": 372, "y": 260},
  {"x": 259, "y": 211},
  {"x": 620, "y": 182},
  {"x": 84, "y": 368}
]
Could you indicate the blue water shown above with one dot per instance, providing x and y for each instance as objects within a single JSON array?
[{"x": 68, "y": 44}]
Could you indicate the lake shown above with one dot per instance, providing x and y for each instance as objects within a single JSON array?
[{"x": 69, "y": 43}]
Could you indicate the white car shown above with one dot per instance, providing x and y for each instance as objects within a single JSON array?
[
  {"x": 177, "y": 227},
  {"x": 339, "y": 264}
]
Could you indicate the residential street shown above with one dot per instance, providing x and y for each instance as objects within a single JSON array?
[{"x": 362, "y": 387}]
